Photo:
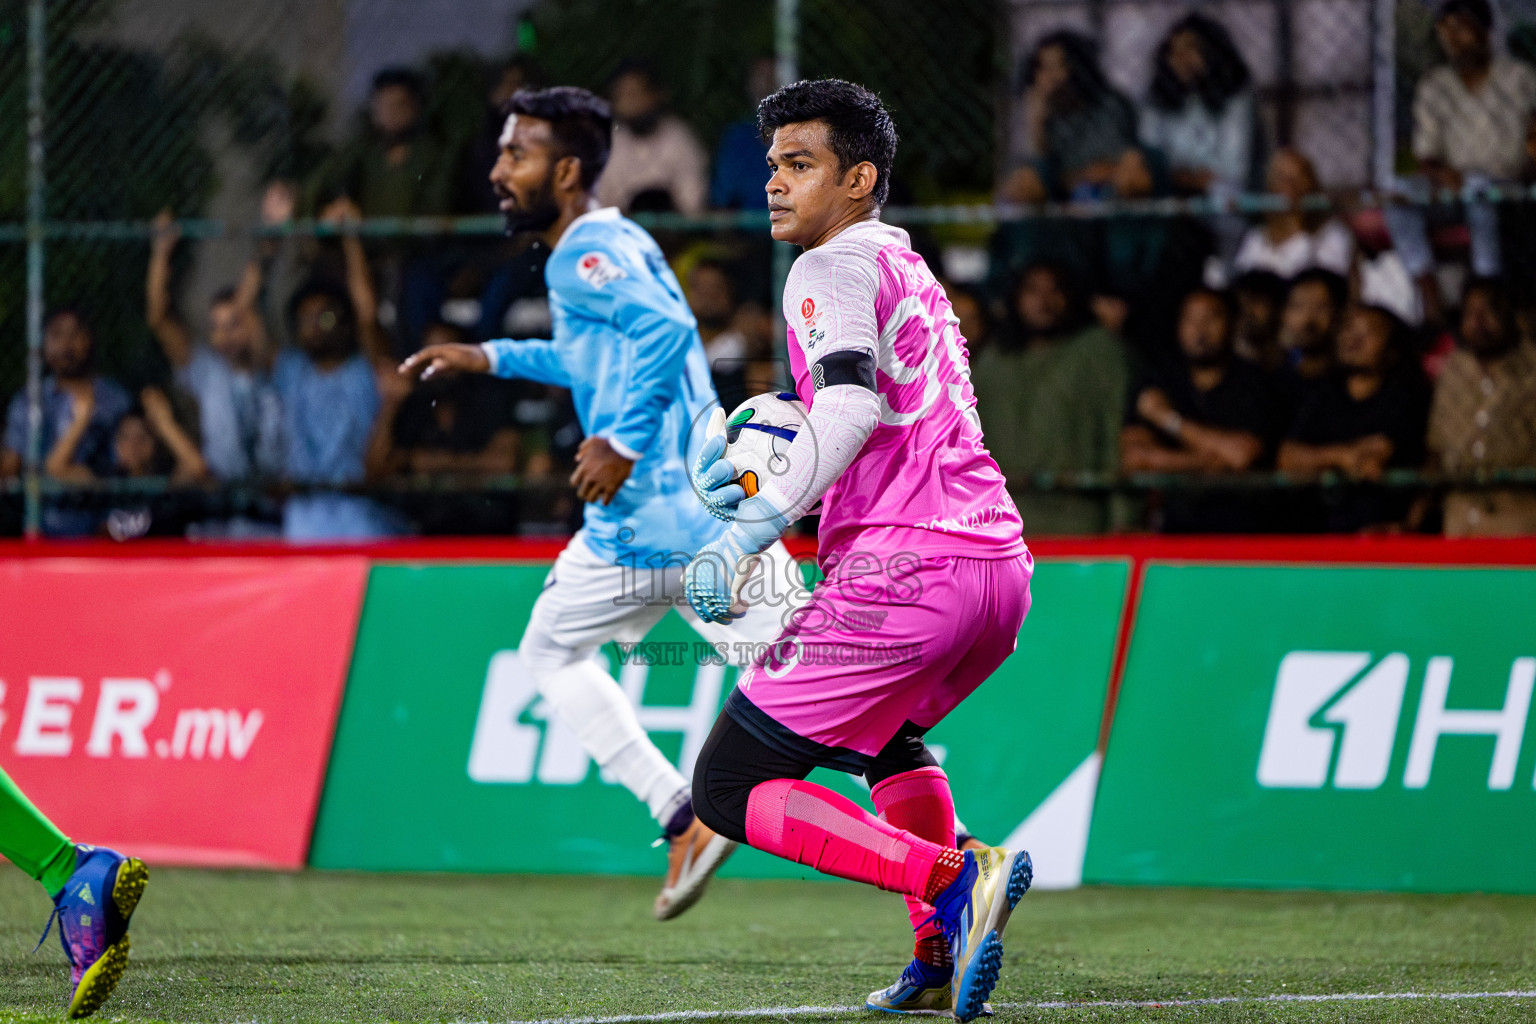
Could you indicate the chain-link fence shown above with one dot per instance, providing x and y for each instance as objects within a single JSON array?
[{"x": 144, "y": 106}]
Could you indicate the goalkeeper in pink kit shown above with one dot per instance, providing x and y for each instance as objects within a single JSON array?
[{"x": 927, "y": 575}]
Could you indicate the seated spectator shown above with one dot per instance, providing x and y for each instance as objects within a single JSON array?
[
  {"x": 1309, "y": 322},
  {"x": 1294, "y": 240},
  {"x": 333, "y": 405},
  {"x": 460, "y": 426},
  {"x": 1470, "y": 118},
  {"x": 740, "y": 167},
  {"x": 472, "y": 185},
  {"x": 1080, "y": 137},
  {"x": 971, "y": 310},
  {"x": 1200, "y": 112},
  {"x": 1365, "y": 419},
  {"x": 657, "y": 162},
  {"x": 239, "y": 415},
  {"x": 147, "y": 442},
  {"x": 1484, "y": 415},
  {"x": 1051, "y": 399},
  {"x": 1260, "y": 295},
  {"x": 1209, "y": 414},
  {"x": 393, "y": 167},
  {"x": 77, "y": 404},
  {"x": 712, "y": 298},
  {"x": 150, "y": 443}
]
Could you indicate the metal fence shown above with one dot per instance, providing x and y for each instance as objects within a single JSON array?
[{"x": 114, "y": 110}]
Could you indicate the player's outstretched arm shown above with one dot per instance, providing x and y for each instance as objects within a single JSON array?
[{"x": 444, "y": 359}]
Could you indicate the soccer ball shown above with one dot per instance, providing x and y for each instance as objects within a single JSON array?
[{"x": 758, "y": 436}]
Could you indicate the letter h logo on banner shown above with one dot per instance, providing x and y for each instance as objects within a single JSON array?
[
  {"x": 508, "y": 750},
  {"x": 1298, "y": 754},
  {"x": 1315, "y": 690}
]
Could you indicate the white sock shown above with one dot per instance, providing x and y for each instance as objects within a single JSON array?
[
  {"x": 591, "y": 704},
  {"x": 642, "y": 769}
]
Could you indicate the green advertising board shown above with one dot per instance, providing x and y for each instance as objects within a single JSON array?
[
  {"x": 1362, "y": 728},
  {"x": 444, "y": 758}
]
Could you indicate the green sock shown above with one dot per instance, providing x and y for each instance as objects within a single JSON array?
[{"x": 31, "y": 841}]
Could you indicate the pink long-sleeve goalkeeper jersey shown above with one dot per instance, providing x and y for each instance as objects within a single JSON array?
[{"x": 923, "y": 483}]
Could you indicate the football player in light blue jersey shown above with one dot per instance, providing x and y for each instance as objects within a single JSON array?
[{"x": 627, "y": 347}]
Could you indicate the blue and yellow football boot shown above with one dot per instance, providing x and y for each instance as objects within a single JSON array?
[
  {"x": 973, "y": 910},
  {"x": 922, "y": 991},
  {"x": 93, "y": 911}
]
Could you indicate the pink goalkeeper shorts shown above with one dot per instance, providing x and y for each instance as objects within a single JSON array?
[{"x": 883, "y": 641}]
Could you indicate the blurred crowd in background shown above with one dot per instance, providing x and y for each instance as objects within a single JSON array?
[{"x": 1180, "y": 356}]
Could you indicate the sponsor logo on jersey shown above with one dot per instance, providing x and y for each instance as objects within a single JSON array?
[
  {"x": 598, "y": 270},
  {"x": 808, "y": 310}
]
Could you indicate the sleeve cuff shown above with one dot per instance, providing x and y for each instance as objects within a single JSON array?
[
  {"x": 622, "y": 448},
  {"x": 489, "y": 348}
]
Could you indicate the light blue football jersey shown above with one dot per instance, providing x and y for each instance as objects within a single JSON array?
[{"x": 627, "y": 346}]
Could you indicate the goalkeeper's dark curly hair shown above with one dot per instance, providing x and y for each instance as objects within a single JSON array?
[{"x": 858, "y": 126}]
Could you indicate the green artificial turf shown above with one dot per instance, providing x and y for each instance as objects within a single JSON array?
[{"x": 238, "y": 947}]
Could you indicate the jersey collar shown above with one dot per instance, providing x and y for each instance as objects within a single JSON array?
[{"x": 605, "y": 213}]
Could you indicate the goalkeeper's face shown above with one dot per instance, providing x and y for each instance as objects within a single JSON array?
[
  {"x": 524, "y": 175},
  {"x": 810, "y": 196}
]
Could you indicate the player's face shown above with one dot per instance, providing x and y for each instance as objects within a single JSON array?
[
  {"x": 524, "y": 175},
  {"x": 1203, "y": 330},
  {"x": 806, "y": 194}
]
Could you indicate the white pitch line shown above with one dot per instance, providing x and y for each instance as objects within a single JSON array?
[
  {"x": 1281, "y": 997},
  {"x": 1122, "y": 1004},
  {"x": 639, "y": 1018}
]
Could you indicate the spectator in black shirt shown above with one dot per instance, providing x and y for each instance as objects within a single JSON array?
[
  {"x": 462, "y": 431},
  {"x": 1260, "y": 296},
  {"x": 1309, "y": 324},
  {"x": 1366, "y": 418},
  {"x": 1210, "y": 414},
  {"x": 458, "y": 426}
]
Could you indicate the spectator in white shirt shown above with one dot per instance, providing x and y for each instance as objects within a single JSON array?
[
  {"x": 1469, "y": 125},
  {"x": 1292, "y": 240},
  {"x": 1200, "y": 111},
  {"x": 657, "y": 163}
]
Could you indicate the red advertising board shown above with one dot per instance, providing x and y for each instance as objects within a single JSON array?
[{"x": 181, "y": 709}]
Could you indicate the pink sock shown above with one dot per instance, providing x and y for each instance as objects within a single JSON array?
[
  {"x": 811, "y": 825},
  {"x": 920, "y": 802}
]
